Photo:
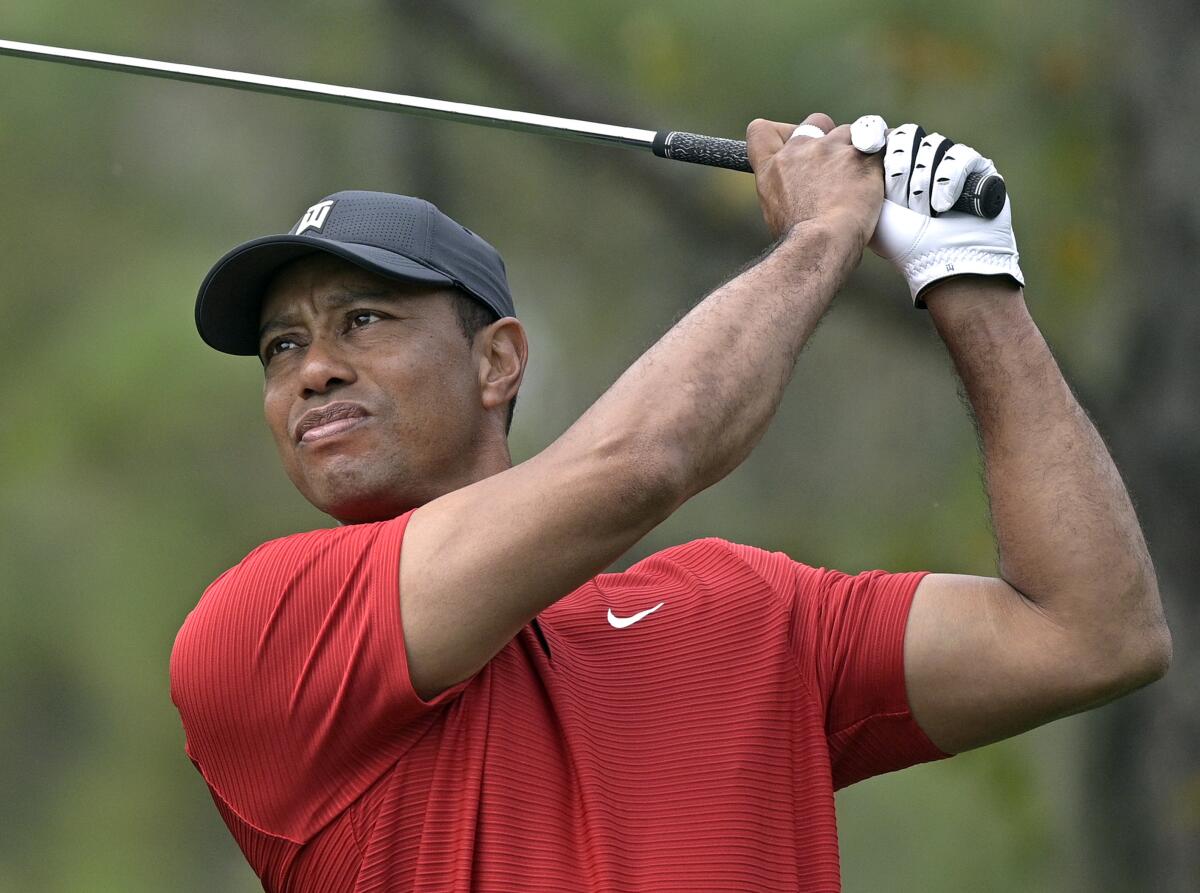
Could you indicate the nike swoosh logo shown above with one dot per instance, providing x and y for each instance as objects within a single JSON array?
[{"x": 622, "y": 622}]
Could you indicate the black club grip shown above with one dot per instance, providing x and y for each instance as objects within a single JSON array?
[
  {"x": 699, "y": 149},
  {"x": 982, "y": 195}
]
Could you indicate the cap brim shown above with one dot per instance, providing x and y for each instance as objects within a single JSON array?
[{"x": 230, "y": 299}]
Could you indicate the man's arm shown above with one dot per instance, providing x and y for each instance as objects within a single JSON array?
[
  {"x": 479, "y": 563},
  {"x": 1075, "y": 618}
]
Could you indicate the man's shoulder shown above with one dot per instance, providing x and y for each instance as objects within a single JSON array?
[
  {"x": 296, "y": 551},
  {"x": 288, "y": 582},
  {"x": 320, "y": 560},
  {"x": 718, "y": 552},
  {"x": 708, "y": 560}
]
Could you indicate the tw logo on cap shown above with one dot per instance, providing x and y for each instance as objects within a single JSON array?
[{"x": 314, "y": 217}]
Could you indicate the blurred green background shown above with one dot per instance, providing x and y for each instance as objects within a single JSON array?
[{"x": 136, "y": 466}]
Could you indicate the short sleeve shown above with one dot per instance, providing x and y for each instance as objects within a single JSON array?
[
  {"x": 292, "y": 681},
  {"x": 847, "y": 633}
]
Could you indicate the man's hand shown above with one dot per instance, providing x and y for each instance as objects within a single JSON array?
[
  {"x": 802, "y": 178},
  {"x": 917, "y": 232}
]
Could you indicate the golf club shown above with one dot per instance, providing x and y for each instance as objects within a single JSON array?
[{"x": 982, "y": 196}]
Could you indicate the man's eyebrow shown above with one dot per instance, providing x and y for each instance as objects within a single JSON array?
[{"x": 333, "y": 301}]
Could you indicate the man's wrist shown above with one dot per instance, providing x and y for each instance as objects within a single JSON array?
[
  {"x": 969, "y": 295},
  {"x": 991, "y": 308},
  {"x": 834, "y": 241}
]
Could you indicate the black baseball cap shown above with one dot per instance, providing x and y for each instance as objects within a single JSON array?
[{"x": 396, "y": 236}]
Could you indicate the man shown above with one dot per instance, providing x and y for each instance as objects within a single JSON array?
[{"x": 446, "y": 693}]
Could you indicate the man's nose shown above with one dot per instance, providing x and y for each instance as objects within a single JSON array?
[{"x": 325, "y": 367}]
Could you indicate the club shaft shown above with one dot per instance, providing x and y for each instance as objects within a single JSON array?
[
  {"x": 981, "y": 196},
  {"x": 566, "y": 128}
]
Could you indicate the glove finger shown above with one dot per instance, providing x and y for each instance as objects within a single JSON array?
[
  {"x": 930, "y": 152},
  {"x": 869, "y": 134},
  {"x": 950, "y": 174},
  {"x": 898, "y": 161}
]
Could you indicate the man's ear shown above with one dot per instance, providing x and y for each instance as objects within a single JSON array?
[{"x": 502, "y": 350}]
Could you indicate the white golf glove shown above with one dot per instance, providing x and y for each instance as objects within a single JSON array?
[{"x": 917, "y": 232}]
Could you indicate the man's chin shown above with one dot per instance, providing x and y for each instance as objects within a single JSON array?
[
  {"x": 356, "y": 506},
  {"x": 351, "y": 496},
  {"x": 351, "y": 488},
  {"x": 361, "y": 511}
]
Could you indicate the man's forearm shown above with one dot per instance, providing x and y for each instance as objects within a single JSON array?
[
  {"x": 704, "y": 394},
  {"x": 1067, "y": 533}
]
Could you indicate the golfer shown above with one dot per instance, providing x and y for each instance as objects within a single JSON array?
[{"x": 446, "y": 693}]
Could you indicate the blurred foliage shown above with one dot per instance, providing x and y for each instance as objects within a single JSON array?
[{"x": 136, "y": 466}]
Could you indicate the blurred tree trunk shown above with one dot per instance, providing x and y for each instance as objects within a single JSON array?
[{"x": 1143, "y": 771}]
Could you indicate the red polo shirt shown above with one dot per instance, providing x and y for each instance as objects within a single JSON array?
[{"x": 696, "y": 747}]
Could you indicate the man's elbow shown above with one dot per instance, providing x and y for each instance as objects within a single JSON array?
[
  {"x": 1141, "y": 651},
  {"x": 1157, "y": 651},
  {"x": 1155, "y": 636}
]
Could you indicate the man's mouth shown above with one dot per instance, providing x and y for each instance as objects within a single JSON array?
[{"x": 328, "y": 421}]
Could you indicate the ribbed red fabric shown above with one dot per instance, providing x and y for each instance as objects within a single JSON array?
[{"x": 696, "y": 749}]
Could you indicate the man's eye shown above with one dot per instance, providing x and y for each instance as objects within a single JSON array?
[
  {"x": 363, "y": 317},
  {"x": 279, "y": 345}
]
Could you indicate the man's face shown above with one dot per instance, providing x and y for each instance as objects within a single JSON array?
[{"x": 371, "y": 390}]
